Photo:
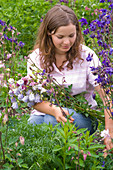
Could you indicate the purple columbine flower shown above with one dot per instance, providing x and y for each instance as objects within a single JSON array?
[
  {"x": 100, "y": 43},
  {"x": 83, "y": 21},
  {"x": 99, "y": 79},
  {"x": 2, "y": 23},
  {"x": 86, "y": 31},
  {"x": 102, "y": 1},
  {"x": 21, "y": 44},
  {"x": 92, "y": 35},
  {"x": 89, "y": 58},
  {"x": 13, "y": 100},
  {"x": 111, "y": 51},
  {"x": 93, "y": 26},
  {"x": 111, "y": 6}
]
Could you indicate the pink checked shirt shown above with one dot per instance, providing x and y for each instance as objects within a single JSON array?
[{"x": 80, "y": 76}]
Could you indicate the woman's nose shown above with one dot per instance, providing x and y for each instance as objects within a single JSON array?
[{"x": 66, "y": 41}]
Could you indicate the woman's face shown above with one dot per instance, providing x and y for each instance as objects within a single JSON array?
[{"x": 64, "y": 38}]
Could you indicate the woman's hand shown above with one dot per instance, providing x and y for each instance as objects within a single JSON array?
[
  {"x": 108, "y": 141},
  {"x": 59, "y": 115}
]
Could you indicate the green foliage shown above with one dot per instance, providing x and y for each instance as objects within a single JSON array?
[{"x": 45, "y": 147}]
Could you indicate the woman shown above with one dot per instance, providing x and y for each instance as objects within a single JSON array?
[{"x": 60, "y": 51}]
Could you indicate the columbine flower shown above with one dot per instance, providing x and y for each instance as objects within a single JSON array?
[
  {"x": 102, "y": 1},
  {"x": 16, "y": 144},
  {"x": 37, "y": 98},
  {"x": 16, "y": 91},
  {"x": 86, "y": 31},
  {"x": 21, "y": 44},
  {"x": 20, "y": 96},
  {"x": 11, "y": 93},
  {"x": 31, "y": 97},
  {"x": 5, "y": 119},
  {"x": 20, "y": 82},
  {"x": 25, "y": 99},
  {"x": 2, "y": 65},
  {"x": 105, "y": 133},
  {"x": 13, "y": 99},
  {"x": 11, "y": 80},
  {"x": 22, "y": 140},
  {"x": 89, "y": 58},
  {"x": 84, "y": 156},
  {"x": 83, "y": 21},
  {"x": 15, "y": 105},
  {"x": 9, "y": 56}
]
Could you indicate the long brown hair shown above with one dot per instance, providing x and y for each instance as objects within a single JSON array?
[{"x": 59, "y": 15}]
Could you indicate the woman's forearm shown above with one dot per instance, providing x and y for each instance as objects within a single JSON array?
[{"x": 45, "y": 107}]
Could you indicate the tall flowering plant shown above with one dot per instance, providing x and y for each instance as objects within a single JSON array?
[{"x": 100, "y": 35}]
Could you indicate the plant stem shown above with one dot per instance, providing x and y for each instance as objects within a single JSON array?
[{"x": 2, "y": 147}]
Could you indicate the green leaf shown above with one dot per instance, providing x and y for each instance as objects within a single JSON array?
[
  {"x": 24, "y": 165},
  {"x": 57, "y": 148},
  {"x": 13, "y": 140},
  {"x": 97, "y": 146},
  {"x": 20, "y": 161}
]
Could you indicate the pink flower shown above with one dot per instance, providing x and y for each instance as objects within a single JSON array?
[
  {"x": 18, "y": 154},
  {"x": 69, "y": 148},
  {"x": 5, "y": 119},
  {"x": 84, "y": 156},
  {"x": 86, "y": 8},
  {"x": 89, "y": 153},
  {"x": 16, "y": 144},
  {"x": 22, "y": 140},
  {"x": 32, "y": 83},
  {"x": 2, "y": 64},
  {"x": 9, "y": 56}
]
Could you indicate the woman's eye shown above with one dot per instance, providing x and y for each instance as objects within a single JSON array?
[
  {"x": 71, "y": 36},
  {"x": 59, "y": 37}
]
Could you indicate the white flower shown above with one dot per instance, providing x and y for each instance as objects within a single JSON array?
[
  {"x": 31, "y": 97},
  {"x": 105, "y": 133},
  {"x": 37, "y": 98},
  {"x": 28, "y": 92},
  {"x": 11, "y": 80},
  {"x": 25, "y": 99},
  {"x": 35, "y": 87},
  {"x": 20, "y": 96},
  {"x": 20, "y": 82},
  {"x": 15, "y": 105},
  {"x": 11, "y": 93},
  {"x": 43, "y": 90},
  {"x": 16, "y": 91}
]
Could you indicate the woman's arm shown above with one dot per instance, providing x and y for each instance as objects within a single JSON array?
[
  {"x": 107, "y": 112},
  {"x": 47, "y": 108}
]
